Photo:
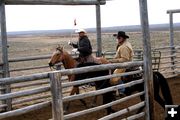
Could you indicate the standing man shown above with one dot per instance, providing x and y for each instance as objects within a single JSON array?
[
  {"x": 84, "y": 47},
  {"x": 124, "y": 53}
]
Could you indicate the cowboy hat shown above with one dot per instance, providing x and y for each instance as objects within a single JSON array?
[
  {"x": 80, "y": 30},
  {"x": 121, "y": 34}
]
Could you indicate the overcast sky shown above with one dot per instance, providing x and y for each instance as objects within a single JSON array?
[{"x": 114, "y": 13}]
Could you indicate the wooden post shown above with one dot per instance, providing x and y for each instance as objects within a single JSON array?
[
  {"x": 56, "y": 91},
  {"x": 171, "y": 29},
  {"x": 3, "y": 39},
  {"x": 148, "y": 77},
  {"x": 98, "y": 29}
]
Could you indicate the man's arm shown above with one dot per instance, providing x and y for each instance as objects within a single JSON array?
[
  {"x": 74, "y": 45},
  {"x": 118, "y": 60},
  {"x": 123, "y": 55}
]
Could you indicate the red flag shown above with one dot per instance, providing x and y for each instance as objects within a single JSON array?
[{"x": 75, "y": 22}]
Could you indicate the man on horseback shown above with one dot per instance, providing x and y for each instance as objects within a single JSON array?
[
  {"x": 124, "y": 53},
  {"x": 84, "y": 47}
]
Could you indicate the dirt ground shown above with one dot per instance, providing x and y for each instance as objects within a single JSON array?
[{"x": 45, "y": 113}]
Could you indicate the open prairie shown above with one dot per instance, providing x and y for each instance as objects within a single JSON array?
[
  {"x": 28, "y": 45},
  {"x": 37, "y": 45}
]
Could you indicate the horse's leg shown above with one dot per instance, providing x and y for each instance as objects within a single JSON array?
[
  {"x": 93, "y": 104},
  {"x": 94, "y": 100},
  {"x": 108, "y": 97},
  {"x": 75, "y": 90}
]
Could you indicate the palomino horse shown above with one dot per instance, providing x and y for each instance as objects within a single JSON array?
[{"x": 60, "y": 55}]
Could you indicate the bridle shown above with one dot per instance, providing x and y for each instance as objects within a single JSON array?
[{"x": 54, "y": 67}]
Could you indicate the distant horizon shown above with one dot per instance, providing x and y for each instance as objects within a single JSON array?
[
  {"x": 89, "y": 27},
  {"x": 177, "y": 23}
]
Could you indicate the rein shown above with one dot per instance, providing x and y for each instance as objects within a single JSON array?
[
  {"x": 55, "y": 67},
  {"x": 52, "y": 68}
]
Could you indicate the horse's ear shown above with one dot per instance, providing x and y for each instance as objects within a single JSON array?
[
  {"x": 61, "y": 48},
  {"x": 58, "y": 46}
]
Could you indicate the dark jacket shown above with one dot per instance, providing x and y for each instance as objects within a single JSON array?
[{"x": 84, "y": 46}]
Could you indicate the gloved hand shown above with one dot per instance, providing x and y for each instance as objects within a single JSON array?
[
  {"x": 69, "y": 43},
  {"x": 75, "y": 50}
]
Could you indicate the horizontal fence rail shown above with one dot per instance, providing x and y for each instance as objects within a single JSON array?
[
  {"x": 168, "y": 54},
  {"x": 169, "y": 59},
  {"x": 55, "y": 2},
  {"x": 169, "y": 67},
  {"x": 35, "y": 59},
  {"x": 121, "y": 112},
  {"x": 102, "y": 106},
  {"x": 46, "y": 75}
]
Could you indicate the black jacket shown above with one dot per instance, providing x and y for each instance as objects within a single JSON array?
[{"x": 84, "y": 46}]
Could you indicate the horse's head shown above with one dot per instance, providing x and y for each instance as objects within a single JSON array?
[{"x": 57, "y": 56}]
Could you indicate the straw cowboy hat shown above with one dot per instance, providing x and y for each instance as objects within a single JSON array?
[{"x": 121, "y": 34}]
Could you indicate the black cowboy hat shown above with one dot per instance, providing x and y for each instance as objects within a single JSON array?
[{"x": 121, "y": 34}]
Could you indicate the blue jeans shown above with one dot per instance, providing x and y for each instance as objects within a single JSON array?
[{"x": 121, "y": 90}]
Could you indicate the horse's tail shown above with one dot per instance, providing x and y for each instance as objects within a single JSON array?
[{"x": 164, "y": 88}]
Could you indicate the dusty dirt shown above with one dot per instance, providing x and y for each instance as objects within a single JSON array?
[{"x": 45, "y": 113}]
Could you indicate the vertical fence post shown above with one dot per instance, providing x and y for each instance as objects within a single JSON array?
[
  {"x": 148, "y": 77},
  {"x": 5, "y": 64},
  {"x": 56, "y": 91},
  {"x": 1, "y": 87},
  {"x": 171, "y": 29},
  {"x": 98, "y": 29}
]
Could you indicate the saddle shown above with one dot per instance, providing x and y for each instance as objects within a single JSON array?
[
  {"x": 88, "y": 59},
  {"x": 133, "y": 77}
]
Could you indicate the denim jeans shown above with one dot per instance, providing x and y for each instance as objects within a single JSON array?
[{"x": 121, "y": 90}]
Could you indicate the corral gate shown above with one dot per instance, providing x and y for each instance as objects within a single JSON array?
[{"x": 145, "y": 30}]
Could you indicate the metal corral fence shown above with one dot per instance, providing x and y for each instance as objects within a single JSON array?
[
  {"x": 169, "y": 66},
  {"x": 169, "y": 62},
  {"x": 169, "y": 59},
  {"x": 57, "y": 87}
]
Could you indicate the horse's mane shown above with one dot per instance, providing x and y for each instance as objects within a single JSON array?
[{"x": 68, "y": 61}]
